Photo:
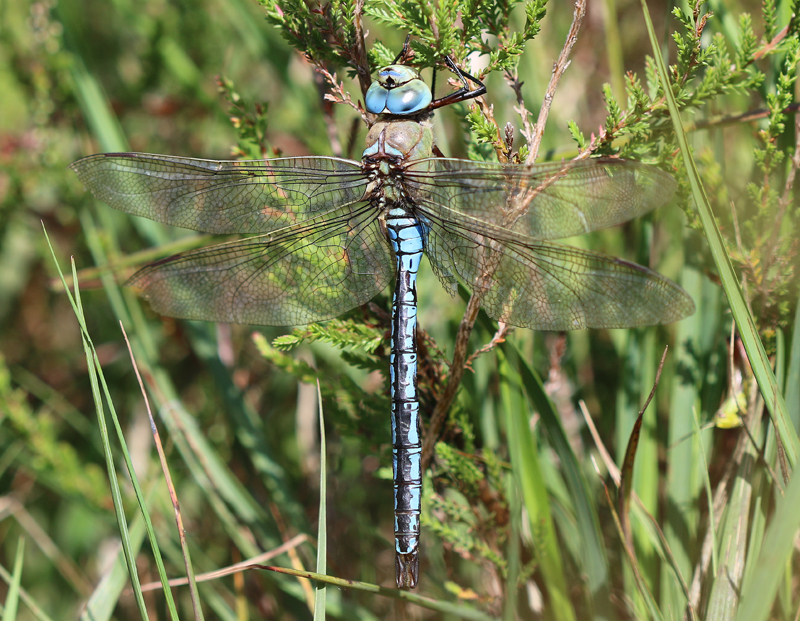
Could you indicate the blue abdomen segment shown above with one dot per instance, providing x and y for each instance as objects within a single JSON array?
[{"x": 406, "y": 235}]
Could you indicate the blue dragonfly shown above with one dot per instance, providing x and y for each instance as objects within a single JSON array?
[{"x": 327, "y": 234}]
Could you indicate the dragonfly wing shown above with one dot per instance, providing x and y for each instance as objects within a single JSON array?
[
  {"x": 211, "y": 196},
  {"x": 304, "y": 273},
  {"x": 541, "y": 201},
  {"x": 547, "y": 286}
]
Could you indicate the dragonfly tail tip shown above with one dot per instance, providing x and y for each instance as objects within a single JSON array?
[{"x": 407, "y": 570}]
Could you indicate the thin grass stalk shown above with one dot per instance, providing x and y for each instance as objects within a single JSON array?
[
  {"x": 196, "y": 605},
  {"x": 12, "y": 597},
  {"x": 320, "y": 592},
  {"x": 93, "y": 367}
]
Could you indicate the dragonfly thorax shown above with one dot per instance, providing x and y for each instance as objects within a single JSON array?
[
  {"x": 390, "y": 145},
  {"x": 399, "y": 141}
]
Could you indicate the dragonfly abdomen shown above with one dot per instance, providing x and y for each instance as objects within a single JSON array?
[{"x": 406, "y": 236}]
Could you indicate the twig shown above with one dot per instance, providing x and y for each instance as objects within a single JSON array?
[
  {"x": 235, "y": 568},
  {"x": 340, "y": 95},
  {"x": 499, "y": 336},
  {"x": 608, "y": 461},
  {"x": 497, "y": 143},
  {"x": 351, "y": 138},
  {"x": 524, "y": 113},
  {"x": 769, "y": 47},
  {"x": 195, "y": 596},
  {"x": 454, "y": 379},
  {"x": 360, "y": 56},
  {"x": 744, "y": 117},
  {"x": 558, "y": 70},
  {"x": 328, "y": 115}
]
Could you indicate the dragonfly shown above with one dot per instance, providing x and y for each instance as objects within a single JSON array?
[{"x": 324, "y": 235}]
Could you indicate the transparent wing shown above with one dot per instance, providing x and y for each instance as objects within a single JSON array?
[
  {"x": 542, "y": 201},
  {"x": 308, "y": 272},
  {"x": 547, "y": 286},
  {"x": 211, "y": 196}
]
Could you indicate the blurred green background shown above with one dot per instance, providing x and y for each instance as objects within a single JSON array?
[{"x": 80, "y": 77}]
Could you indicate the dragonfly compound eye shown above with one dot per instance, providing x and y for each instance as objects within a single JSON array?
[
  {"x": 399, "y": 90},
  {"x": 376, "y": 98},
  {"x": 409, "y": 98}
]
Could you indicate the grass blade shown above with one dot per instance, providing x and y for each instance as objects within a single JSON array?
[
  {"x": 525, "y": 464},
  {"x": 758, "y": 594},
  {"x": 12, "y": 598},
  {"x": 26, "y": 598},
  {"x": 793, "y": 375},
  {"x": 595, "y": 564},
  {"x": 95, "y": 376},
  {"x": 103, "y": 602}
]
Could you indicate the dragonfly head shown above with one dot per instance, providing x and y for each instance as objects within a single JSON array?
[{"x": 399, "y": 90}]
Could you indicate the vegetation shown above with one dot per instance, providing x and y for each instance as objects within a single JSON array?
[{"x": 522, "y": 515}]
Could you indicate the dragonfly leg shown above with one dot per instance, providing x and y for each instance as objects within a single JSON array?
[
  {"x": 403, "y": 57},
  {"x": 463, "y": 93}
]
